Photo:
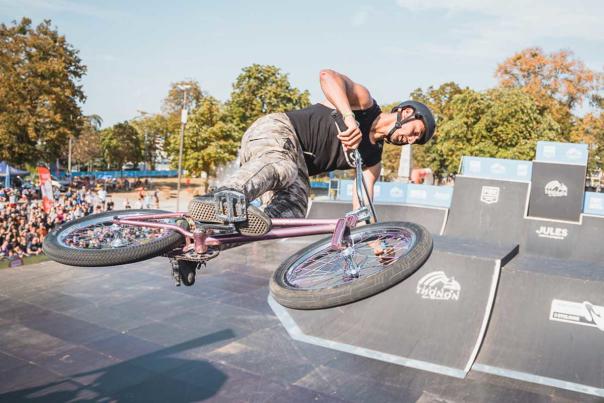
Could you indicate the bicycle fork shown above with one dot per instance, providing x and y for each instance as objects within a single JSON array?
[{"x": 341, "y": 241}]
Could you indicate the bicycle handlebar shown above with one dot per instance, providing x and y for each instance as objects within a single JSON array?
[{"x": 361, "y": 186}]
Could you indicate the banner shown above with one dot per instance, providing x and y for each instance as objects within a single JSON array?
[
  {"x": 46, "y": 187},
  {"x": 496, "y": 168},
  {"x": 402, "y": 193},
  {"x": 566, "y": 153}
]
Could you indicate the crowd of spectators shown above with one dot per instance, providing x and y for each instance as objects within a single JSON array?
[{"x": 24, "y": 223}]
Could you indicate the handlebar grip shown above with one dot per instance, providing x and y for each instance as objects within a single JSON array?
[{"x": 337, "y": 116}]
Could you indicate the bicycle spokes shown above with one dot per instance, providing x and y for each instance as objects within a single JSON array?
[
  {"x": 104, "y": 234},
  {"x": 367, "y": 254}
]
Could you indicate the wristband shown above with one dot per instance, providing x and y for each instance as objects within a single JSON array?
[{"x": 345, "y": 115}]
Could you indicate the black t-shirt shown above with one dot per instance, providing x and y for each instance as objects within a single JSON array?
[{"x": 323, "y": 150}]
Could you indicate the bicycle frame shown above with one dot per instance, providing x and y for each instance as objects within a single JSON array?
[{"x": 203, "y": 237}]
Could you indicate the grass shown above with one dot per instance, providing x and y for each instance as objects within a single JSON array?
[{"x": 4, "y": 264}]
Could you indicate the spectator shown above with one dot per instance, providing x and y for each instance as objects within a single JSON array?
[{"x": 24, "y": 224}]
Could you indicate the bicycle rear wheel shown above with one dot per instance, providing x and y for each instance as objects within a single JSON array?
[
  {"x": 380, "y": 255},
  {"x": 95, "y": 241}
]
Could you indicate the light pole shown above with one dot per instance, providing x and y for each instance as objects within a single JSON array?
[
  {"x": 69, "y": 157},
  {"x": 183, "y": 123},
  {"x": 142, "y": 115}
]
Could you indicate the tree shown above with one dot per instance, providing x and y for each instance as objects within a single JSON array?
[
  {"x": 557, "y": 82},
  {"x": 209, "y": 141},
  {"x": 39, "y": 92},
  {"x": 499, "y": 123},
  {"x": 590, "y": 130},
  {"x": 154, "y": 131},
  {"x": 121, "y": 143},
  {"x": 173, "y": 103},
  {"x": 87, "y": 148},
  {"x": 260, "y": 90}
]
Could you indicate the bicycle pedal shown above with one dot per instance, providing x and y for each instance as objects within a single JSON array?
[{"x": 231, "y": 206}]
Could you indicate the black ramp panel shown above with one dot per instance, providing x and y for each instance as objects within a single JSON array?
[
  {"x": 565, "y": 240},
  {"x": 434, "y": 320},
  {"x": 547, "y": 325},
  {"x": 487, "y": 210},
  {"x": 557, "y": 191},
  {"x": 433, "y": 218}
]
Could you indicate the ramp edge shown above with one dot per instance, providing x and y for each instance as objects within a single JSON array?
[
  {"x": 541, "y": 380},
  {"x": 487, "y": 315},
  {"x": 296, "y": 333}
]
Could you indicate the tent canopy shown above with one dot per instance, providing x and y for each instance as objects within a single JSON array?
[{"x": 12, "y": 170}]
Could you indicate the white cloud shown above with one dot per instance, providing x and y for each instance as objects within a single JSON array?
[{"x": 497, "y": 27}]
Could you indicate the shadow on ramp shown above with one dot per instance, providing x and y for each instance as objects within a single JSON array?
[{"x": 172, "y": 379}]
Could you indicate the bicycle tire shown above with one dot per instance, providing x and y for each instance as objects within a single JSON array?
[
  {"x": 72, "y": 256},
  {"x": 357, "y": 288}
]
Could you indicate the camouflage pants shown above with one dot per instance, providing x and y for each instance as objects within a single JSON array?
[{"x": 273, "y": 167}]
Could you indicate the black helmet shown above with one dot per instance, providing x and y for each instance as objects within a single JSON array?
[{"x": 422, "y": 112}]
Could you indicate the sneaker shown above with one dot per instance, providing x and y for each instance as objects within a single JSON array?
[{"x": 203, "y": 208}]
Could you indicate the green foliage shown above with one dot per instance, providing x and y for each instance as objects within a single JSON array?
[
  {"x": 121, "y": 143},
  {"x": 590, "y": 130},
  {"x": 499, "y": 123},
  {"x": 154, "y": 132},
  {"x": 174, "y": 101},
  {"x": 260, "y": 90},
  {"x": 209, "y": 140},
  {"x": 39, "y": 92},
  {"x": 86, "y": 149}
]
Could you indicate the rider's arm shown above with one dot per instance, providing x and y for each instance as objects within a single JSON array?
[
  {"x": 371, "y": 175},
  {"x": 345, "y": 95}
]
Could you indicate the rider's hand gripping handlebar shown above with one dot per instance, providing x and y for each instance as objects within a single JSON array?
[{"x": 366, "y": 212}]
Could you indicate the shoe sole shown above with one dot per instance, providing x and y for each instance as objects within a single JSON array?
[{"x": 257, "y": 223}]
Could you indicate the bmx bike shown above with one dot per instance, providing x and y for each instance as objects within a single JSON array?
[{"x": 355, "y": 262}]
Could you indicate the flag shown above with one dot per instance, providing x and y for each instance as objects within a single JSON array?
[{"x": 46, "y": 187}]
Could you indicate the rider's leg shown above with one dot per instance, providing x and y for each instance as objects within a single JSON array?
[
  {"x": 270, "y": 156},
  {"x": 291, "y": 202},
  {"x": 269, "y": 153}
]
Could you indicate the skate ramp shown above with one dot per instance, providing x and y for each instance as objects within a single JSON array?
[{"x": 435, "y": 320}]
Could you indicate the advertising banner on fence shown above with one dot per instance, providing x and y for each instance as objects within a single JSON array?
[
  {"x": 566, "y": 153},
  {"x": 403, "y": 193},
  {"x": 593, "y": 203},
  {"x": 496, "y": 168},
  {"x": 46, "y": 187}
]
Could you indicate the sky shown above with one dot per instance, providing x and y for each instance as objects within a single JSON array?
[{"x": 134, "y": 50}]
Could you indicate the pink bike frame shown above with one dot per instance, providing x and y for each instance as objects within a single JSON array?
[{"x": 282, "y": 228}]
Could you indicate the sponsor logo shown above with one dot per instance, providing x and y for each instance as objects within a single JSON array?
[
  {"x": 596, "y": 203},
  {"x": 418, "y": 194},
  {"x": 522, "y": 170},
  {"x": 475, "y": 166},
  {"x": 574, "y": 154},
  {"x": 552, "y": 232},
  {"x": 489, "y": 194},
  {"x": 578, "y": 313},
  {"x": 396, "y": 192},
  {"x": 437, "y": 286},
  {"x": 556, "y": 189},
  {"x": 498, "y": 169},
  {"x": 549, "y": 151}
]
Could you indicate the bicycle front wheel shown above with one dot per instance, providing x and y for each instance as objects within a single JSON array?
[{"x": 378, "y": 257}]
